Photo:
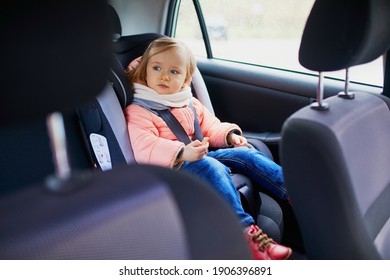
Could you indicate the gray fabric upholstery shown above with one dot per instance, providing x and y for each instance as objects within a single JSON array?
[
  {"x": 132, "y": 212},
  {"x": 112, "y": 110},
  {"x": 336, "y": 171},
  {"x": 201, "y": 90}
]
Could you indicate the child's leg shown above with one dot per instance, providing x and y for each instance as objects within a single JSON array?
[
  {"x": 218, "y": 177},
  {"x": 256, "y": 165}
]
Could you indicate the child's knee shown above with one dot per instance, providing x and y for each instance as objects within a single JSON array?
[{"x": 212, "y": 165}]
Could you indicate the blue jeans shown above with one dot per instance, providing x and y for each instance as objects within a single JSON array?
[{"x": 215, "y": 169}]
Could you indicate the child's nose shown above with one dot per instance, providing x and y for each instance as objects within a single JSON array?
[{"x": 164, "y": 77}]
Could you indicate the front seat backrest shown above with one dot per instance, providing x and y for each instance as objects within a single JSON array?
[
  {"x": 133, "y": 212},
  {"x": 336, "y": 156}
]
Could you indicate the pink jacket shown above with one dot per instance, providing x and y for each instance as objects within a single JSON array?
[{"x": 154, "y": 143}]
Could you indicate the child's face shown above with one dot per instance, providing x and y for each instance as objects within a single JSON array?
[{"x": 166, "y": 71}]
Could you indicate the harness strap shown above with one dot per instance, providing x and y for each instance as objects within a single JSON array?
[
  {"x": 177, "y": 128},
  {"x": 174, "y": 125},
  {"x": 198, "y": 130}
]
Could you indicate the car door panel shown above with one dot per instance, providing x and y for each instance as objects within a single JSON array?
[{"x": 260, "y": 99}]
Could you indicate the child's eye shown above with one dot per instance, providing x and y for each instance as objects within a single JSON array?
[
  {"x": 174, "y": 72},
  {"x": 157, "y": 68}
]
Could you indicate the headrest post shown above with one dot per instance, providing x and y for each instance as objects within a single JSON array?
[
  {"x": 346, "y": 94},
  {"x": 320, "y": 105},
  {"x": 56, "y": 128}
]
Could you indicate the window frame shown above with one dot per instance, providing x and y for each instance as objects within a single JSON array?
[
  {"x": 171, "y": 31},
  {"x": 171, "y": 28}
]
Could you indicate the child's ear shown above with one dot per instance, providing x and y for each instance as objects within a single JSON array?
[{"x": 188, "y": 81}]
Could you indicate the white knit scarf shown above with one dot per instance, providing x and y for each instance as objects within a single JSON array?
[{"x": 178, "y": 99}]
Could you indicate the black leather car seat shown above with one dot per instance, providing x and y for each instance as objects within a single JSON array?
[{"x": 336, "y": 153}]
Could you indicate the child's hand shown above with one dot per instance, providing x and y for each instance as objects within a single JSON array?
[
  {"x": 237, "y": 140},
  {"x": 134, "y": 64},
  {"x": 194, "y": 151}
]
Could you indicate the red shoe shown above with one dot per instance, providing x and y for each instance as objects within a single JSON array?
[{"x": 263, "y": 247}]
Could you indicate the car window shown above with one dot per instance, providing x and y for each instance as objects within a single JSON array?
[
  {"x": 188, "y": 28},
  {"x": 259, "y": 32}
]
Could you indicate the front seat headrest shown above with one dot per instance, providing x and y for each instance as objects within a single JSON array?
[
  {"x": 344, "y": 33},
  {"x": 54, "y": 55},
  {"x": 115, "y": 22}
]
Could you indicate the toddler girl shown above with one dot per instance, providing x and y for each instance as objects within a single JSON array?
[{"x": 161, "y": 80}]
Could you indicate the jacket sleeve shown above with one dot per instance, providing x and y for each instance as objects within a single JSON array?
[
  {"x": 212, "y": 127},
  {"x": 148, "y": 146}
]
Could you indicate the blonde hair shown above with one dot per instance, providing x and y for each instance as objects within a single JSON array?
[{"x": 158, "y": 46}]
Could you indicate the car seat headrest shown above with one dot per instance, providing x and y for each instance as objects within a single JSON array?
[
  {"x": 130, "y": 47},
  {"x": 115, "y": 23},
  {"x": 343, "y": 33},
  {"x": 54, "y": 55}
]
